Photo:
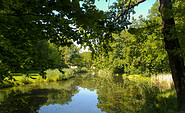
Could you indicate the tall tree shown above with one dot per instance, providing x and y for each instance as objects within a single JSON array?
[
  {"x": 23, "y": 23},
  {"x": 28, "y": 20},
  {"x": 172, "y": 47}
]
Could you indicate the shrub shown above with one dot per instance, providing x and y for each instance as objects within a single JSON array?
[
  {"x": 84, "y": 69},
  {"x": 40, "y": 79},
  {"x": 56, "y": 75},
  {"x": 24, "y": 79},
  {"x": 105, "y": 72},
  {"x": 76, "y": 70},
  {"x": 60, "y": 77},
  {"x": 69, "y": 73}
]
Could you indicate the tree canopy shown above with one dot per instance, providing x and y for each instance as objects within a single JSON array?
[{"x": 25, "y": 23}]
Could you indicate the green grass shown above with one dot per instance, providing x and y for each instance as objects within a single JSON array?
[
  {"x": 139, "y": 78},
  {"x": 52, "y": 75}
]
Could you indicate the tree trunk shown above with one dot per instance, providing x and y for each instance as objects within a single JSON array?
[{"x": 172, "y": 47}]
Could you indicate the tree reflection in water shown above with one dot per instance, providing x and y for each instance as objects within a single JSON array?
[
  {"x": 30, "y": 99},
  {"x": 114, "y": 95}
]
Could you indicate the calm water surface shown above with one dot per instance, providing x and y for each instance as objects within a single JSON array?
[
  {"x": 85, "y": 101},
  {"x": 84, "y": 94}
]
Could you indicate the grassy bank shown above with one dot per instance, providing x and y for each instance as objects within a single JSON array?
[
  {"x": 160, "y": 93},
  {"x": 33, "y": 77}
]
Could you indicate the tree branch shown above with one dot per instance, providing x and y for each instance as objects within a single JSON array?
[
  {"x": 23, "y": 14},
  {"x": 127, "y": 9}
]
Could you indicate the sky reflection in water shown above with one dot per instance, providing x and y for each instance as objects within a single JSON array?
[
  {"x": 83, "y": 102},
  {"x": 87, "y": 94}
]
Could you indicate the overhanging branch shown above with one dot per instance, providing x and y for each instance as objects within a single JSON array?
[
  {"x": 125, "y": 11},
  {"x": 23, "y": 14}
]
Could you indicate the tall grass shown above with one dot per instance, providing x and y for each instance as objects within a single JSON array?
[
  {"x": 158, "y": 92},
  {"x": 164, "y": 81}
]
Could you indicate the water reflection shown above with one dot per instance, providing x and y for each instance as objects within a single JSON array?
[
  {"x": 84, "y": 101},
  {"x": 31, "y": 97},
  {"x": 87, "y": 94}
]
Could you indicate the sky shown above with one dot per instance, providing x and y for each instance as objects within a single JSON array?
[{"x": 141, "y": 9}]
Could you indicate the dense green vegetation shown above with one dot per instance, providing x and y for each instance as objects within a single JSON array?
[
  {"x": 139, "y": 50},
  {"x": 39, "y": 35},
  {"x": 52, "y": 75}
]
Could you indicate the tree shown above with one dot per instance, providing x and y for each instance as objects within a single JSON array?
[
  {"x": 54, "y": 20},
  {"x": 149, "y": 43},
  {"x": 24, "y": 23},
  {"x": 171, "y": 45},
  {"x": 46, "y": 55},
  {"x": 139, "y": 49},
  {"x": 74, "y": 57}
]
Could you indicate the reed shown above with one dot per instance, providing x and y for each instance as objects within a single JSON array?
[{"x": 164, "y": 81}]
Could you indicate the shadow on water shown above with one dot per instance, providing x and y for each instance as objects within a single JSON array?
[
  {"x": 29, "y": 98},
  {"x": 159, "y": 103},
  {"x": 86, "y": 93}
]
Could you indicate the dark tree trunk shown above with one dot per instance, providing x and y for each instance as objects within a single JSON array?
[{"x": 172, "y": 47}]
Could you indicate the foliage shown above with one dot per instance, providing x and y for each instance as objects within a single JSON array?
[
  {"x": 28, "y": 98},
  {"x": 104, "y": 72},
  {"x": 116, "y": 94},
  {"x": 73, "y": 56},
  {"x": 84, "y": 69},
  {"x": 86, "y": 59},
  {"x": 46, "y": 55},
  {"x": 3, "y": 72},
  {"x": 139, "y": 50},
  {"x": 56, "y": 75},
  {"x": 24, "y": 24},
  {"x": 24, "y": 79},
  {"x": 69, "y": 73},
  {"x": 179, "y": 10}
]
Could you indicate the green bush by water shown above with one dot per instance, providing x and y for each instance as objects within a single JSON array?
[
  {"x": 24, "y": 79},
  {"x": 155, "y": 99},
  {"x": 84, "y": 69},
  {"x": 56, "y": 75}
]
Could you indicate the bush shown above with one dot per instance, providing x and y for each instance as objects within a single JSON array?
[
  {"x": 84, "y": 69},
  {"x": 104, "y": 72},
  {"x": 69, "y": 73},
  {"x": 56, "y": 75},
  {"x": 24, "y": 79},
  {"x": 76, "y": 70},
  {"x": 40, "y": 79}
]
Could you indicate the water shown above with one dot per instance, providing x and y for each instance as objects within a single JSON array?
[
  {"x": 85, "y": 94},
  {"x": 84, "y": 101}
]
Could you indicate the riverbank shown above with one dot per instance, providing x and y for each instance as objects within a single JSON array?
[
  {"x": 132, "y": 93},
  {"x": 158, "y": 95},
  {"x": 161, "y": 94},
  {"x": 52, "y": 75}
]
